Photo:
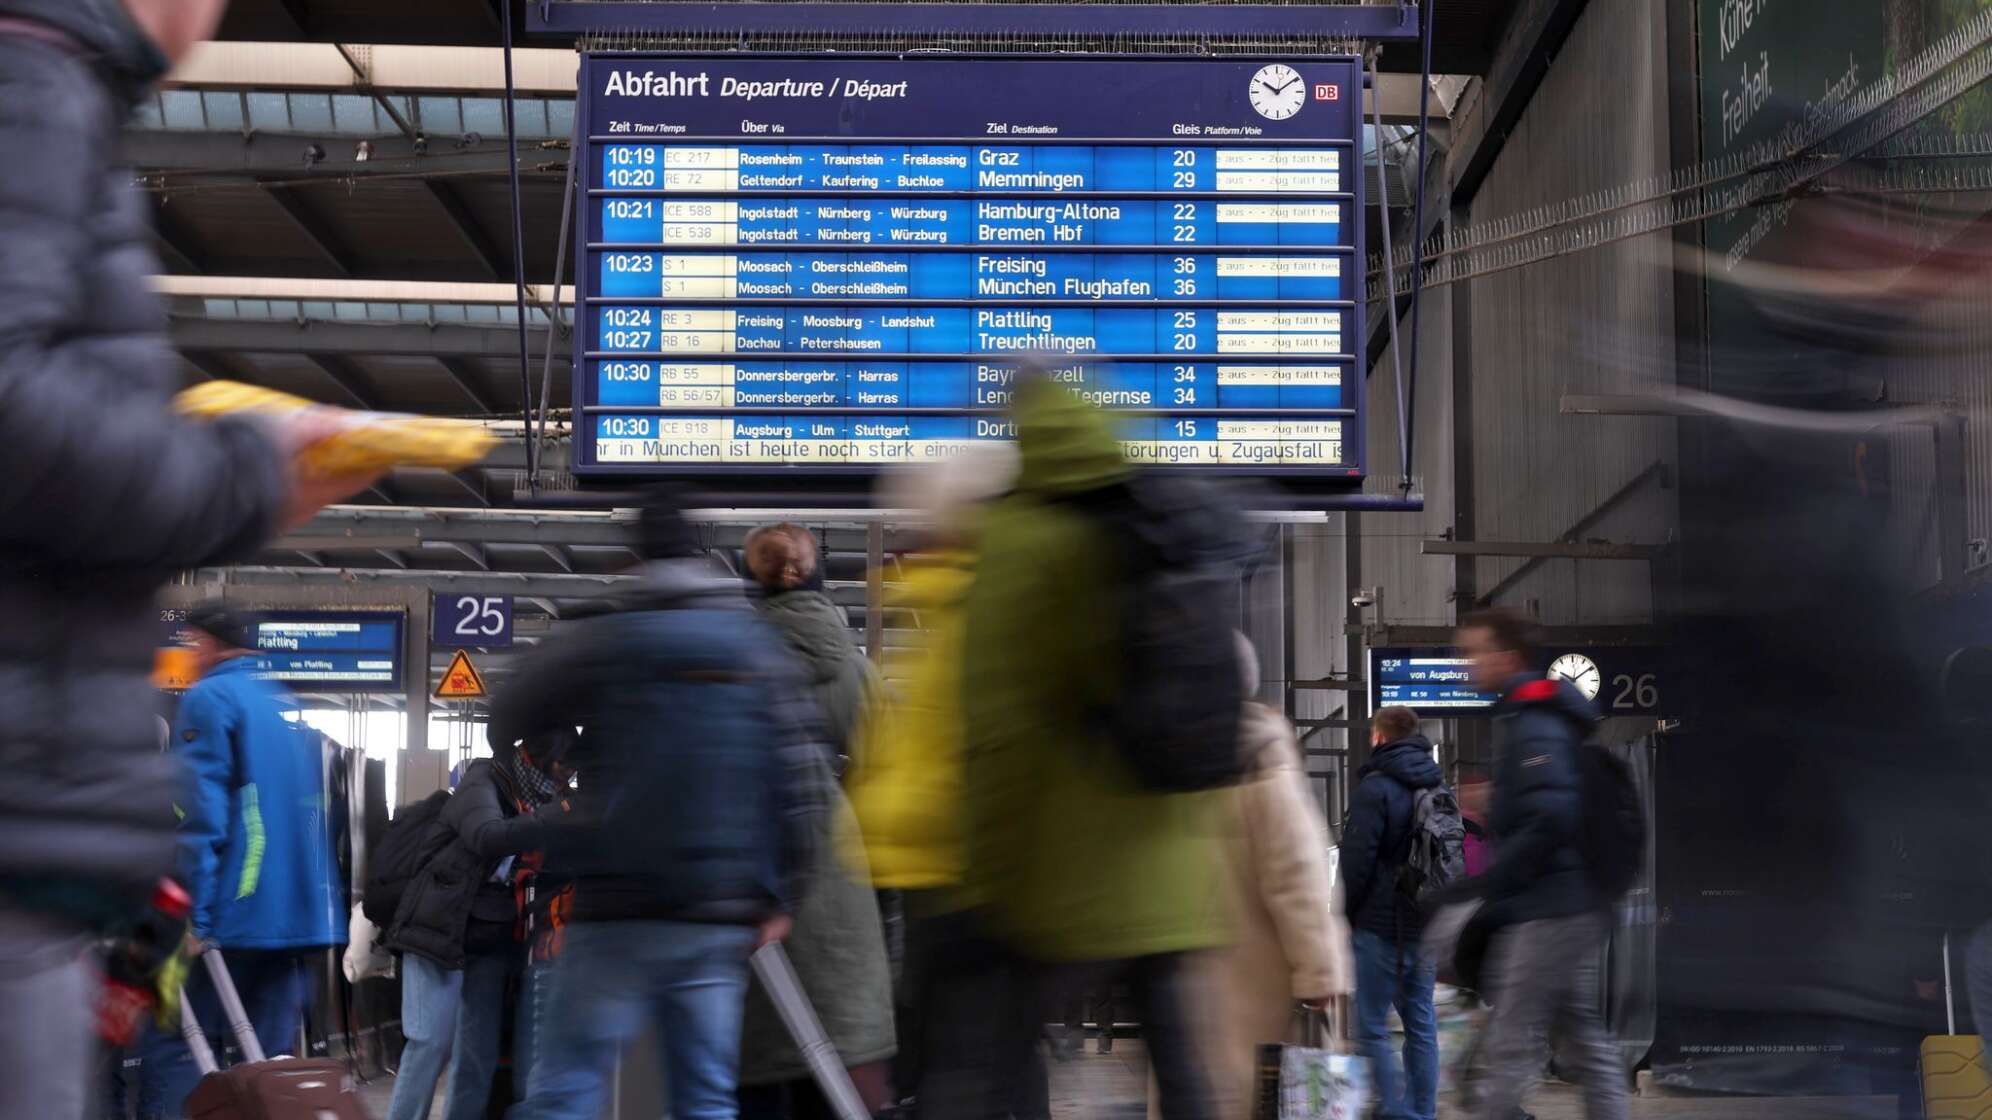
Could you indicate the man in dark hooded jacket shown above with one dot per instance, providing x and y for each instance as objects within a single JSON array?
[
  {"x": 1542, "y": 965},
  {"x": 1390, "y": 970},
  {"x": 104, "y": 494}
]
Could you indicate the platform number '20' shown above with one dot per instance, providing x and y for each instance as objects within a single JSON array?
[{"x": 480, "y": 617}]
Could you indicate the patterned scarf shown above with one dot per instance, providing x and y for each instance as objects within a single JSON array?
[{"x": 531, "y": 786}]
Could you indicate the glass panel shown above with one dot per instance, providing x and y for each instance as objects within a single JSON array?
[
  {"x": 220, "y": 308},
  {"x": 254, "y": 308},
  {"x": 283, "y": 309},
  {"x": 269, "y": 111},
  {"x": 351, "y": 310},
  {"x": 450, "y": 313},
  {"x": 484, "y": 116},
  {"x": 560, "y": 117},
  {"x": 354, "y": 115},
  {"x": 440, "y": 115},
  {"x": 416, "y": 312},
  {"x": 531, "y": 115},
  {"x": 311, "y": 112},
  {"x": 320, "y": 309},
  {"x": 147, "y": 114},
  {"x": 183, "y": 109},
  {"x": 224, "y": 110},
  {"x": 482, "y": 313},
  {"x": 384, "y": 312}
]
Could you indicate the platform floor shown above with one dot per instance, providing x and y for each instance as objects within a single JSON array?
[{"x": 1114, "y": 1087}]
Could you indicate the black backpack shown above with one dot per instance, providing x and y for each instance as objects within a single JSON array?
[
  {"x": 1614, "y": 823},
  {"x": 1179, "y": 580},
  {"x": 410, "y": 842},
  {"x": 1437, "y": 856}
]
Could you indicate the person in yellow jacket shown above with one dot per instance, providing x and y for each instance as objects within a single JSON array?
[{"x": 907, "y": 792}]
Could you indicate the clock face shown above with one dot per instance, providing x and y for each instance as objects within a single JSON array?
[
  {"x": 1580, "y": 671},
  {"x": 1278, "y": 92}
]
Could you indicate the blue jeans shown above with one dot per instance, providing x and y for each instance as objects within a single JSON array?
[
  {"x": 1392, "y": 975},
  {"x": 275, "y": 990},
  {"x": 691, "y": 979},
  {"x": 449, "y": 1012}
]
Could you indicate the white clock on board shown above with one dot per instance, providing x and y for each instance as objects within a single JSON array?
[
  {"x": 1277, "y": 92},
  {"x": 1580, "y": 671}
]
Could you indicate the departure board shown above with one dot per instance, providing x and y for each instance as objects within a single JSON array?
[{"x": 827, "y": 266}]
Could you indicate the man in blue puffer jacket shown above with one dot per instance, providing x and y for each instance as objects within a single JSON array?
[
  {"x": 1543, "y": 964},
  {"x": 255, "y": 851}
]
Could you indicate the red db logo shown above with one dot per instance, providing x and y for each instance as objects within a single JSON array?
[{"x": 1327, "y": 91}]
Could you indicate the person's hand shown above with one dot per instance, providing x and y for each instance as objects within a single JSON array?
[
  {"x": 776, "y": 927},
  {"x": 296, "y": 431},
  {"x": 197, "y": 945}
]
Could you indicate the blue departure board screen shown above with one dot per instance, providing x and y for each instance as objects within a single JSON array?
[
  {"x": 827, "y": 266},
  {"x": 332, "y": 651}
]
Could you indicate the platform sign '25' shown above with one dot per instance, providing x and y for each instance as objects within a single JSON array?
[{"x": 471, "y": 620}]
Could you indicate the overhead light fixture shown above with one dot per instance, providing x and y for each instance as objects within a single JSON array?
[
  {"x": 314, "y": 153},
  {"x": 363, "y": 152}
]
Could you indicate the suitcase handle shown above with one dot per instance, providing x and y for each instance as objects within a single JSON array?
[
  {"x": 1950, "y": 1001},
  {"x": 771, "y": 964},
  {"x": 231, "y": 1006},
  {"x": 197, "y": 1043}
]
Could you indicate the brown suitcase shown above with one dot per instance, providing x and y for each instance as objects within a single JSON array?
[{"x": 279, "y": 1088}]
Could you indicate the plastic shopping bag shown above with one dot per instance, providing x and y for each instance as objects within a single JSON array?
[{"x": 1309, "y": 1080}]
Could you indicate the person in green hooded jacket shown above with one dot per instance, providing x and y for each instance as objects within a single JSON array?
[{"x": 1082, "y": 873}]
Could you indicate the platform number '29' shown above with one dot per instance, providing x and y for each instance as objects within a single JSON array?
[{"x": 480, "y": 617}]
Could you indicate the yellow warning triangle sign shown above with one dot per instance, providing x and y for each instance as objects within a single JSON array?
[{"x": 461, "y": 680}]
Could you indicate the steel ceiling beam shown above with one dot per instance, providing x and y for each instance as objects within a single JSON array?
[
  {"x": 466, "y": 379},
  {"x": 472, "y": 526},
  {"x": 1379, "y": 22},
  {"x": 178, "y": 246},
  {"x": 519, "y": 584},
  {"x": 169, "y": 159},
  {"x": 347, "y": 377},
  {"x": 496, "y": 264},
  {"x": 1545, "y": 550},
  {"x": 387, "y": 339},
  {"x": 309, "y": 223}
]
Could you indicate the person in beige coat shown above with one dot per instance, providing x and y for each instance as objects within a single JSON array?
[{"x": 1290, "y": 944}]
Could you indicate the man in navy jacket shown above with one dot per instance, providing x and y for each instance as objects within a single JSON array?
[
  {"x": 1390, "y": 968},
  {"x": 1543, "y": 966}
]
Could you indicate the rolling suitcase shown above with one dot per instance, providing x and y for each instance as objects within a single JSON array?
[
  {"x": 1955, "y": 1085},
  {"x": 280, "y": 1088}
]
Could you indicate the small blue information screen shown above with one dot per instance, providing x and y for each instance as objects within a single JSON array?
[
  {"x": 1432, "y": 681},
  {"x": 332, "y": 651},
  {"x": 832, "y": 265}
]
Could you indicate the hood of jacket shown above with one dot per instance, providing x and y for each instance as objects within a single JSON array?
[
  {"x": 1549, "y": 694},
  {"x": 1408, "y": 760},
  {"x": 1068, "y": 446},
  {"x": 816, "y": 629},
  {"x": 104, "y": 29}
]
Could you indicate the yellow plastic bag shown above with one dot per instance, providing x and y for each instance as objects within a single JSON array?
[{"x": 372, "y": 441}]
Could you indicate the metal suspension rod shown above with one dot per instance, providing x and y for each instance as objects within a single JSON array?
[
  {"x": 1410, "y": 401},
  {"x": 519, "y": 256},
  {"x": 553, "y": 324},
  {"x": 1390, "y": 285}
]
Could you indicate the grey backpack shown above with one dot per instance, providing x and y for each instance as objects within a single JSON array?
[{"x": 1437, "y": 856}]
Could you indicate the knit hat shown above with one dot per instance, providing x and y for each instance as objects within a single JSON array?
[
  {"x": 224, "y": 625},
  {"x": 662, "y": 533},
  {"x": 948, "y": 490}
]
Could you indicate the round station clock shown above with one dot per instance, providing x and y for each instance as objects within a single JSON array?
[
  {"x": 1277, "y": 91},
  {"x": 1580, "y": 671}
]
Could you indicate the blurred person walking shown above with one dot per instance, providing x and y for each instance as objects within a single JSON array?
[
  {"x": 1391, "y": 971},
  {"x": 109, "y": 494},
  {"x": 1549, "y": 916},
  {"x": 456, "y": 932},
  {"x": 255, "y": 853},
  {"x": 1292, "y": 946},
  {"x": 838, "y": 943},
  {"x": 906, "y": 785},
  {"x": 702, "y": 803},
  {"x": 1086, "y": 873}
]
